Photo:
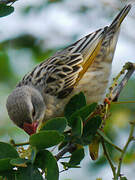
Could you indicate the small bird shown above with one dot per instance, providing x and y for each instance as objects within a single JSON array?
[{"x": 83, "y": 66}]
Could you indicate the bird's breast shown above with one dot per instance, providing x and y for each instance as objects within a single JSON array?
[{"x": 94, "y": 82}]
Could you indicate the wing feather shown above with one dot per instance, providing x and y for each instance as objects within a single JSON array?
[{"x": 59, "y": 74}]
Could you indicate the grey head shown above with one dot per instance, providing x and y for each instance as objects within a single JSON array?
[{"x": 25, "y": 105}]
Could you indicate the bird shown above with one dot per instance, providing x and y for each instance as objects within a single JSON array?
[{"x": 82, "y": 66}]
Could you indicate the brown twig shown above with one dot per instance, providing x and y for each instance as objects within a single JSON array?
[
  {"x": 68, "y": 148},
  {"x": 130, "y": 69}
]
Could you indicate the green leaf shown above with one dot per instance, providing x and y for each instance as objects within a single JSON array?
[
  {"x": 94, "y": 148},
  {"x": 77, "y": 156},
  {"x": 46, "y": 139},
  {"x": 84, "y": 113},
  {"x": 5, "y": 10},
  {"x": 29, "y": 173},
  {"x": 40, "y": 159},
  {"x": 5, "y": 164},
  {"x": 47, "y": 162},
  {"x": 19, "y": 162},
  {"x": 75, "y": 103},
  {"x": 92, "y": 125},
  {"x": 90, "y": 129},
  {"x": 7, "y": 152},
  {"x": 77, "y": 126},
  {"x": 59, "y": 124}
]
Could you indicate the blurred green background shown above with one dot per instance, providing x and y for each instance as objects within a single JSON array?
[{"x": 34, "y": 32}]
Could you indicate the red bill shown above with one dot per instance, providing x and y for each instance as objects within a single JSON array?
[{"x": 30, "y": 128}]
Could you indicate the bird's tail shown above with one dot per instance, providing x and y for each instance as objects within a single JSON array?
[
  {"x": 112, "y": 32},
  {"x": 120, "y": 17},
  {"x": 98, "y": 43}
]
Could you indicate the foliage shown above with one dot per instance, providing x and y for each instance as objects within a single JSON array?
[
  {"x": 84, "y": 122},
  {"x": 52, "y": 133}
]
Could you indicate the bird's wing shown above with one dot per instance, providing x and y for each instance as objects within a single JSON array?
[{"x": 59, "y": 74}]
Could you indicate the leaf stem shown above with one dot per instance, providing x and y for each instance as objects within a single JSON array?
[
  {"x": 100, "y": 133},
  {"x": 130, "y": 138}
]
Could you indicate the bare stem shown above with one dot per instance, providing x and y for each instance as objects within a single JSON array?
[{"x": 109, "y": 159}]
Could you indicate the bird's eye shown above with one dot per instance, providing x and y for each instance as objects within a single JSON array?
[{"x": 33, "y": 112}]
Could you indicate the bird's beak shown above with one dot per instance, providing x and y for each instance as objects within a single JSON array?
[{"x": 30, "y": 128}]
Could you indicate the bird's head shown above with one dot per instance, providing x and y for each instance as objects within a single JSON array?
[{"x": 26, "y": 108}]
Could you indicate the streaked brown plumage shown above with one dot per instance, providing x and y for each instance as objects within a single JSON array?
[{"x": 83, "y": 66}]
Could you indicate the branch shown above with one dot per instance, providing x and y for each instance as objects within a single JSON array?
[
  {"x": 130, "y": 138},
  {"x": 116, "y": 92},
  {"x": 68, "y": 148}
]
